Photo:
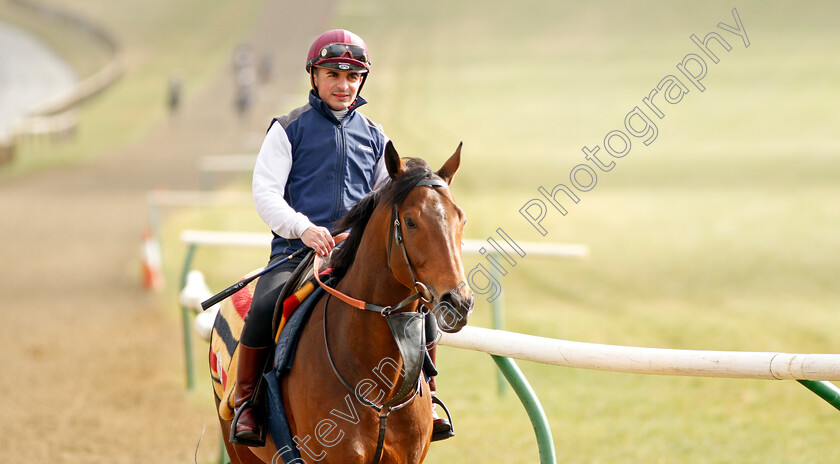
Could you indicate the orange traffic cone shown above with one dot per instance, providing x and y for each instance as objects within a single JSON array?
[{"x": 150, "y": 259}]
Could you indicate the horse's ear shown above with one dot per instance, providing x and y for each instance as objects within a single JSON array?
[
  {"x": 393, "y": 162},
  {"x": 451, "y": 165}
]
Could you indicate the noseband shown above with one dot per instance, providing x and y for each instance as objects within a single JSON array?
[{"x": 406, "y": 327}]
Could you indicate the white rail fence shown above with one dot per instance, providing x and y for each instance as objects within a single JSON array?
[
  {"x": 814, "y": 371},
  {"x": 638, "y": 360}
]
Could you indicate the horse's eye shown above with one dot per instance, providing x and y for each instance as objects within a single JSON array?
[{"x": 410, "y": 223}]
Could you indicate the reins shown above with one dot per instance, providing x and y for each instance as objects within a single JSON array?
[{"x": 407, "y": 390}]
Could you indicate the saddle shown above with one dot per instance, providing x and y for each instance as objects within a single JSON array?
[{"x": 298, "y": 287}]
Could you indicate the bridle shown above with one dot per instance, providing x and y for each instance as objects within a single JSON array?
[
  {"x": 422, "y": 292},
  {"x": 407, "y": 327}
]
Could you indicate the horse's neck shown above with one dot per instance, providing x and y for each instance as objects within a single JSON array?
[
  {"x": 365, "y": 335},
  {"x": 369, "y": 278},
  {"x": 373, "y": 284}
]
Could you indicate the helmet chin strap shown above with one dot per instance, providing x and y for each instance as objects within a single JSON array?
[{"x": 364, "y": 78}]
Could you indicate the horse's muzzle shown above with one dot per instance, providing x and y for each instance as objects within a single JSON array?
[{"x": 453, "y": 310}]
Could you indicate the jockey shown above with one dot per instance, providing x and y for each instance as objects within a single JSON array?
[{"x": 315, "y": 163}]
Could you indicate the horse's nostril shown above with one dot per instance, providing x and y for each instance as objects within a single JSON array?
[
  {"x": 451, "y": 299},
  {"x": 452, "y": 311},
  {"x": 457, "y": 301},
  {"x": 469, "y": 303}
]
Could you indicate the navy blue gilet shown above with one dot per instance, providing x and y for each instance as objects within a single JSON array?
[{"x": 332, "y": 163}]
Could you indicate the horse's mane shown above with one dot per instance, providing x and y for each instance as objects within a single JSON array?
[{"x": 356, "y": 219}]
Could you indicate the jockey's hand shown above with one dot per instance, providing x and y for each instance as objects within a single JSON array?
[{"x": 319, "y": 239}]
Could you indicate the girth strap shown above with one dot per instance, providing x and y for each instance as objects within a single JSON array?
[{"x": 380, "y": 441}]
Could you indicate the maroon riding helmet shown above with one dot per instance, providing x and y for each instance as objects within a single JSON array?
[{"x": 339, "y": 49}]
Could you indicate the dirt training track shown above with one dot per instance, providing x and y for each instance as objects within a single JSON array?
[{"x": 92, "y": 369}]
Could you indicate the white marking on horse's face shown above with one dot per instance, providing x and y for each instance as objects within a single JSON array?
[{"x": 440, "y": 210}]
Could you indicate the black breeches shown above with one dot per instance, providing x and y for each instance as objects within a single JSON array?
[
  {"x": 257, "y": 330},
  {"x": 431, "y": 329}
]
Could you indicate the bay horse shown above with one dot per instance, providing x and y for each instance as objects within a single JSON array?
[{"x": 404, "y": 248}]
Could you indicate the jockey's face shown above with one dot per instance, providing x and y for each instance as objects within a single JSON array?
[{"x": 337, "y": 88}]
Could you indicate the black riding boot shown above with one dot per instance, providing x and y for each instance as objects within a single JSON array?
[{"x": 246, "y": 428}]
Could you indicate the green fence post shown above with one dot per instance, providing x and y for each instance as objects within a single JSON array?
[
  {"x": 185, "y": 316},
  {"x": 498, "y": 324},
  {"x": 517, "y": 380},
  {"x": 223, "y": 456},
  {"x": 825, "y": 390}
]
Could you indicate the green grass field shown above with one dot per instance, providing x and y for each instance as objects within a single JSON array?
[{"x": 721, "y": 234}]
